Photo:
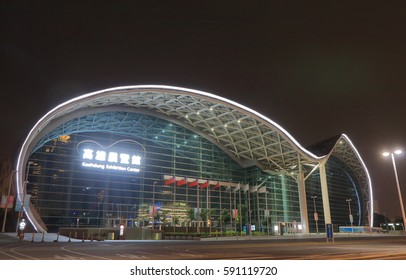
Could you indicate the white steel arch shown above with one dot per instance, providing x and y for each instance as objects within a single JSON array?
[{"x": 247, "y": 135}]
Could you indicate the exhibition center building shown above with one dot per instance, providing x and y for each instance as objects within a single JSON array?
[{"x": 161, "y": 156}]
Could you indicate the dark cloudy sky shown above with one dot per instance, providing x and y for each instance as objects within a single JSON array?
[{"x": 318, "y": 68}]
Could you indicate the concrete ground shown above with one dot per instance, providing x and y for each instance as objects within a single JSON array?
[
  {"x": 39, "y": 237},
  {"x": 53, "y": 237}
]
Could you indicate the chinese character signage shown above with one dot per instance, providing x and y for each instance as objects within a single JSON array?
[{"x": 124, "y": 155}]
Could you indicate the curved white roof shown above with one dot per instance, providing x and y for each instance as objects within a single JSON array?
[{"x": 248, "y": 136}]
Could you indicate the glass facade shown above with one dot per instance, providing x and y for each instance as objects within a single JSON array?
[
  {"x": 101, "y": 176},
  {"x": 342, "y": 186}
]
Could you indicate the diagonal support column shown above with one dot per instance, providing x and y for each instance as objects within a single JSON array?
[
  {"x": 302, "y": 201},
  {"x": 324, "y": 194}
]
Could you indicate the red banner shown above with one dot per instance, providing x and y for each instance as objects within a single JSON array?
[
  {"x": 153, "y": 210},
  {"x": 7, "y": 201},
  {"x": 235, "y": 213},
  {"x": 216, "y": 186},
  {"x": 169, "y": 181},
  {"x": 181, "y": 182},
  {"x": 193, "y": 184}
]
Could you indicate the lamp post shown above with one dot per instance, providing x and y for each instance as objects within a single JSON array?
[
  {"x": 392, "y": 154},
  {"x": 21, "y": 212},
  {"x": 198, "y": 209},
  {"x": 316, "y": 216},
  {"x": 153, "y": 193},
  {"x": 350, "y": 215},
  {"x": 153, "y": 204},
  {"x": 8, "y": 195},
  {"x": 266, "y": 212}
]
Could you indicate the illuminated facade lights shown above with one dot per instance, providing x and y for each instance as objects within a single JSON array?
[{"x": 119, "y": 145}]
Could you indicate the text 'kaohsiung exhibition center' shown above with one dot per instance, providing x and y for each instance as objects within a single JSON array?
[{"x": 149, "y": 156}]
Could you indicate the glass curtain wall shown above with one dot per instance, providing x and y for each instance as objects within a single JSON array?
[
  {"x": 342, "y": 186},
  {"x": 67, "y": 193}
]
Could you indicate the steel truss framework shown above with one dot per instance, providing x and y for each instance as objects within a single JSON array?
[{"x": 245, "y": 135}]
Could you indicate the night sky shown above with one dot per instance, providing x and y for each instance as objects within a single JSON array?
[{"x": 318, "y": 69}]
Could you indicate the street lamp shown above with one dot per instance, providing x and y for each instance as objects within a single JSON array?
[
  {"x": 153, "y": 193},
  {"x": 153, "y": 204},
  {"x": 316, "y": 216},
  {"x": 350, "y": 215},
  {"x": 21, "y": 212},
  {"x": 392, "y": 154},
  {"x": 8, "y": 196}
]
